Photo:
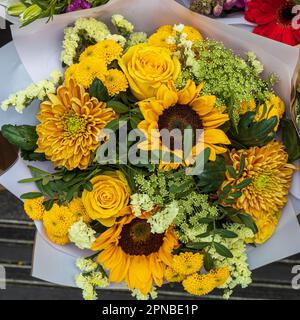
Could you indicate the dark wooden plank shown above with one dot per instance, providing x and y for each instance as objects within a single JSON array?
[{"x": 11, "y": 207}]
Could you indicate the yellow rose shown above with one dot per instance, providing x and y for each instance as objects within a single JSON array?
[
  {"x": 110, "y": 195},
  {"x": 147, "y": 68}
]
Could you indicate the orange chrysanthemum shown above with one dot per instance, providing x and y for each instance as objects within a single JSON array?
[
  {"x": 70, "y": 123},
  {"x": 132, "y": 253},
  {"x": 271, "y": 176}
]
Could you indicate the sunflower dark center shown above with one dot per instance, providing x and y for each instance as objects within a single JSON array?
[
  {"x": 285, "y": 14},
  {"x": 179, "y": 117},
  {"x": 136, "y": 238}
]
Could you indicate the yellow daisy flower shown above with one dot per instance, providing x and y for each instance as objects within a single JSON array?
[
  {"x": 172, "y": 276},
  {"x": 187, "y": 263},
  {"x": 34, "y": 208},
  {"x": 115, "y": 81}
]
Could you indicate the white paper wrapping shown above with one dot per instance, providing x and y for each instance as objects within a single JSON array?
[{"x": 39, "y": 47}]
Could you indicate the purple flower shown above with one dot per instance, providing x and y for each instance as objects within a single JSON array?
[
  {"x": 229, "y": 4},
  {"x": 78, "y": 5}
]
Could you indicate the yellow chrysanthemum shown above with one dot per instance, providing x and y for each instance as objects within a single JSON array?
[
  {"x": 107, "y": 50},
  {"x": 162, "y": 39},
  {"x": 115, "y": 82},
  {"x": 199, "y": 284},
  {"x": 34, "y": 208},
  {"x": 172, "y": 109},
  {"x": 77, "y": 208},
  {"x": 271, "y": 176},
  {"x": 58, "y": 220},
  {"x": 59, "y": 240},
  {"x": 88, "y": 70},
  {"x": 89, "y": 52},
  {"x": 172, "y": 276},
  {"x": 131, "y": 252},
  {"x": 69, "y": 126},
  {"x": 266, "y": 225},
  {"x": 220, "y": 275},
  {"x": 192, "y": 33},
  {"x": 70, "y": 73},
  {"x": 187, "y": 263}
]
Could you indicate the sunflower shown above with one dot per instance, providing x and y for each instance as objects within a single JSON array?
[
  {"x": 69, "y": 126},
  {"x": 132, "y": 253},
  {"x": 172, "y": 109},
  {"x": 271, "y": 176},
  {"x": 115, "y": 82},
  {"x": 34, "y": 208}
]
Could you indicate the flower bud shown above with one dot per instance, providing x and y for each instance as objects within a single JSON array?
[
  {"x": 31, "y": 13},
  {"x": 16, "y": 9}
]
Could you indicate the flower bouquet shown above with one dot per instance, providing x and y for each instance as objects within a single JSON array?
[{"x": 159, "y": 152}]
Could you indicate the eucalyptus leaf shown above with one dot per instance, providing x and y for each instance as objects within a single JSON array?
[{"x": 222, "y": 250}]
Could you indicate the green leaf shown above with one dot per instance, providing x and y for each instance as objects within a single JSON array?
[
  {"x": 24, "y": 137},
  {"x": 250, "y": 133},
  {"x": 198, "y": 245},
  {"x": 243, "y": 184},
  {"x": 229, "y": 201},
  {"x": 88, "y": 186},
  {"x": 208, "y": 262},
  {"x": 242, "y": 165},
  {"x": 99, "y": 91},
  {"x": 49, "y": 204},
  {"x": 290, "y": 140},
  {"x": 248, "y": 221},
  {"x": 231, "y": 171},
  {"x": 113, "y": 125},
  {"x": 118, "y": 106},
  {"x": 222, "y": 250},
  {"x": 29, "y": 180},
  {"x": 236, "y": 194},
  {"x": 31, "y": 195},
  {"x": 204, "y": 235},
  {"x": 212, "y": 176},
  {"x": 205, "y": 220},
  {"x": 226, "y": 233}
]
